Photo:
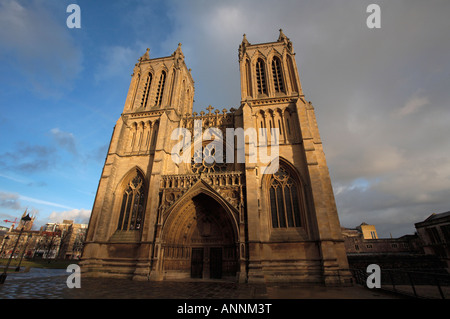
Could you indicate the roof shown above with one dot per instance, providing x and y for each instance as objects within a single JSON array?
[
  {"x": 437, "y": 216},
  {"x": 434, "y": 219}
]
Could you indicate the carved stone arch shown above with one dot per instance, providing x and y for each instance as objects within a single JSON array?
[
  {"x": 292, "y": 169},
  {"x": 132, "y": 127},
  {"x": 292, "y": 73},
  {"x": 137, "y": 82},
  {"x": 277, "y": 72},
  {"x": 280, "y": 123},
  {"x": 199, "y": 222},
  {"x": 181, "y": 96},
  {"x": 128, "y": 175},
  {"x": 154, "y": 126},
  {"x": 199, "y": 188},
  {"x": 161, "y": 89},
  {"x": 129, "y": 203},
  {"x": 290, "y": 124},
  {"x": 248, "y": 76},
  {"x": 257, "y": 54},
  {"x": 148, "y": 68},
  {"x": 298, "y": 197},
  {"x": 146, "y": 83},
  {"x": 273, "y": 53}
]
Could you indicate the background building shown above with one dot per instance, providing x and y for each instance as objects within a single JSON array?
[
  {"x": 407, "y": 252},
  {"x": 53, "y": 241},
  {"x": 434, "y": 233},
  {"x": 364, "y": 239}
]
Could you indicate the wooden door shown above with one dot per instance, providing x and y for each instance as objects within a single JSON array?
[
  {"x": 197, "y": 263},
  {"x": 215, "y": 265}
]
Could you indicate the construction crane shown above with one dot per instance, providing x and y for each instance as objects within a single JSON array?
[{"x": 10, "y": 221}]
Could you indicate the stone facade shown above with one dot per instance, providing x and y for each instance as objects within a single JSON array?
[
  {"x": 434, "y": 233},
  {"x": 156, "y": 219}
]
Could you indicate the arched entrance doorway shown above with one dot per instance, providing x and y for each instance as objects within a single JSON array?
[{"x": 199, "y": 241}]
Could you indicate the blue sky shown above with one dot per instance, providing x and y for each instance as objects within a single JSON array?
[{"x": 381, "y": 96}]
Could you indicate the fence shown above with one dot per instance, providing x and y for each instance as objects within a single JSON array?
[{"x": 417, "y": 284}]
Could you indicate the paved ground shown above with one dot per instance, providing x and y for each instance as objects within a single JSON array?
[{"x": 51, "y": 284}]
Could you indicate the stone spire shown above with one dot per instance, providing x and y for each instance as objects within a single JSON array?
[
  {"x": 178, "y": 55},
  {"x": 243, "y": 46},
  {"x": 146, "y": 56},
  {"x": 283, "y": 38}
]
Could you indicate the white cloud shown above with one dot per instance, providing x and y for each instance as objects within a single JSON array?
[
  {"x": 43, "y": 202},
  {"x": 79, "y": 216},
  {"x": 413, "y": 105}
]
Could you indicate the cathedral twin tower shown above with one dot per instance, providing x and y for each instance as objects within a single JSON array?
[{"x": 157, "y": 219}]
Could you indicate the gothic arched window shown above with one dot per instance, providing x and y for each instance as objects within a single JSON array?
[
  {"x": 133, "y": 204},
  {"x": 285, "y": 200},
  {"x": 249, "y": 78},
  {"x": 292, "y": 74},
  {"x": 146, "y": 91},
  {"x": 261, "y": 77},
  {"x": 160, "y": 91},
  {"x": 277, "y": 75}
]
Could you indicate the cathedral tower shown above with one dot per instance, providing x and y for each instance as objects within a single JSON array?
[
  {"x": 293, "y": 226},
  {"x": 123, "y": 217}
]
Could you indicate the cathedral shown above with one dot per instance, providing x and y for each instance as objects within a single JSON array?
[{"x": 156, "y": 218}]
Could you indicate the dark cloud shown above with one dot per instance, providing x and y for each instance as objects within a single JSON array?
[
  {"x": 10, "y": 201},
  {"x": 65, "y": 140},
  {"x": 99, "y": 154},
  {"x": 380, "y": 95},
  {"x": 29, "y": 158}
]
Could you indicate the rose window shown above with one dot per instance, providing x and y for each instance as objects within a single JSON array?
[{"x": 208, "y": 160}]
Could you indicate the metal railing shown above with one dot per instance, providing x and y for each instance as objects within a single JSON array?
[{"x": 418, "y": 284}]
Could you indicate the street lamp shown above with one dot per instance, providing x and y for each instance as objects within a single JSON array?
[
  {"x": 3, "y": 246},
  {"x": 3, "y": 276},
  {"x": 23, "y": 252}
]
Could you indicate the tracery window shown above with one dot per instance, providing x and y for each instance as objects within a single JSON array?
[
  {"x": 132, "y": 207},
  {"x": 249, "y": 78},
  {"x": 147, "y": 85},
  {"x": 277, "y": 75},
  {"x": 204, "y": 160},
  {"x": 261, "y": 77},
  {"x": 160, "y": 91},
  {"x": 285, "y": 200}
]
